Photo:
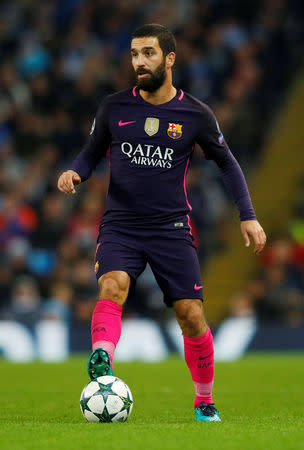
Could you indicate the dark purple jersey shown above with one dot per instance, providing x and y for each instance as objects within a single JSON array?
[{"x": 150, "y": 151}]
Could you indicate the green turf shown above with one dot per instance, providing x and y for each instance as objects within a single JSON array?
[{"x": 260, "y": 398}]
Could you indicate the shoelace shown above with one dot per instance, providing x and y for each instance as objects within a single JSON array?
[{"x": 208, "y": 410}]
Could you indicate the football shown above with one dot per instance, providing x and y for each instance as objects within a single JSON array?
[{"x": 106, "y": 399}]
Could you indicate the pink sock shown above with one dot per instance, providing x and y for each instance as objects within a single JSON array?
[
  {"x": 199, "y": 356},
  {"x": 106, "y": 326}
]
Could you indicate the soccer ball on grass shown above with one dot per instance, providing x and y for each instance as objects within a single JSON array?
[{"x": 106, "y": 399}]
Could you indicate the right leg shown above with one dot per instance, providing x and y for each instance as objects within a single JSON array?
[
  {"x": 115, "y": 286},
  {"x": 118, "y": 258},
  {"x": 106, "y": 321}
]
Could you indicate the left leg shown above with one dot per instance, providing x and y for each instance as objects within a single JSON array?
[
  {"x": 190, "y": 317},
  {"x": 175, "y": 265},
  {"x": 198, "y": 345},
  {"x": 199, "y": 355}
]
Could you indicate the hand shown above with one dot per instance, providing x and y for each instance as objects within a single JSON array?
[
  {"x": 67, "y": 181},
  {"x": 252, "y": 228}
]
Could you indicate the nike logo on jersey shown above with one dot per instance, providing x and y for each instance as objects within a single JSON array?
[
  {"x": 121, "y": 123},
  {"x": 197, "y": 288}
]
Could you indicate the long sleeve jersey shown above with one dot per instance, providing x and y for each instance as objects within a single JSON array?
[{"x": 151, "y": 147}]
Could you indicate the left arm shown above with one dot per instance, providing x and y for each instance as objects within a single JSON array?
[{"x": 213, "y": 143}]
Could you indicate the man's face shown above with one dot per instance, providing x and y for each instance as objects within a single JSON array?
[{"x": 149, "y": 63}]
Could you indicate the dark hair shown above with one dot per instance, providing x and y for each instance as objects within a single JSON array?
[{"x": 165, "y": 38}]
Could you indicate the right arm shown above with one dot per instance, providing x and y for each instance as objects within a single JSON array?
[{"x": 86, "y": 161}]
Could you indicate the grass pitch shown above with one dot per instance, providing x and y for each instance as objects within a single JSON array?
[{"x": 260, "y": 399}]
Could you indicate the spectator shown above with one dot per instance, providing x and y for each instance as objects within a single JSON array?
[
  {"x": 25, "y": 302},
  {"x": 58, "y": 306}
]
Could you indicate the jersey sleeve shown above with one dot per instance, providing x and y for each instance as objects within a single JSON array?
[
  {"x": 212, "y": 142},
  {"x": 96, "y": 145}
]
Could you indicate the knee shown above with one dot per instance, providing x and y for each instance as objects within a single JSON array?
[
  {"x": 110, "y": 288},
  {"x": 190, "y": 317},
  {"x": 114, "y": 287}
]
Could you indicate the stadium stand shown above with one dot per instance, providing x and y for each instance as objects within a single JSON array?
[{"x": 57, "y": 61}]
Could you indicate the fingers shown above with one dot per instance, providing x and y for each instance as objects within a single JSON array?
[
  {"x": 246, "y": 238},
  {"x": 76, "y": 178},
  {"x": 65, "y": 183},
  {"x": 252, "y": 229},
  {"x": 259, "y": 239}
]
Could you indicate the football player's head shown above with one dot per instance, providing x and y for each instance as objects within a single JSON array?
[{"x": 153, "y": 50}]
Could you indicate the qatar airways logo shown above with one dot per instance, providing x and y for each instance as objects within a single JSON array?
[{"x": 148, "y": 155}]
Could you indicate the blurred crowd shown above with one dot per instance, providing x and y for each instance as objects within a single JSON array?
[
  {"x": 58, "y": 60},
  {"x": 276, "y": 292}
]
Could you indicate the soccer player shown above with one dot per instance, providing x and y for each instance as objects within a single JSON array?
[{"x": 151, "y": 130}]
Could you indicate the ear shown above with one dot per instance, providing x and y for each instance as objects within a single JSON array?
[{"x": 170, "y": 59}]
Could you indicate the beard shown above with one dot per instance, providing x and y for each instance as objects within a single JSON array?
[{"x": 154, "y": 80}]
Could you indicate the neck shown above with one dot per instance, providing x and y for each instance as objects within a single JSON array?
[{"x": 163, "y": 95}]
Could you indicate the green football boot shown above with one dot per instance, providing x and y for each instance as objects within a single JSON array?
[
  {"x": 99, "y": 364},
  {"x": 207, "y": 413}
]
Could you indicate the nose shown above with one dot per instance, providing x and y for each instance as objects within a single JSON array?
[{"x": 140, "y": 60}]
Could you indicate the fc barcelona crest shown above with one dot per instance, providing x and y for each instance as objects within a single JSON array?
[
  {"x": 175, "y": 130},
  {"x": 151, "y": 125}
]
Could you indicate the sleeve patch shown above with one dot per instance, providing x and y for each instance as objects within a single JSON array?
[{"x": 221, "y": 137}]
